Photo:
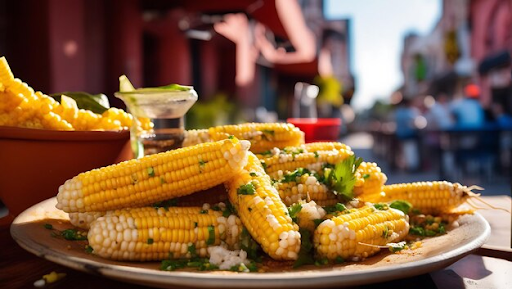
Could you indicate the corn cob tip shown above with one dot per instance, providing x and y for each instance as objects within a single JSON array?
[{"x": 237, "y": 155}]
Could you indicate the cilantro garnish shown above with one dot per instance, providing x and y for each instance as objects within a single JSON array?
[
  {"x": 381, "y": 206},
  {"x": 150, "y": 241},
  {"x": 211, "y": 236},
  {"x": 401, "y": 205},
  {"x": 247, "y": 189},
  {"x": 48, "y": 226},
  {"x": 294, "y": 210},
  {"x": 342, "y": 178},
  {"x": 73, "y": 235},
  {"x": 192, "y": 249},
  {"x": 395, "y": 247},
  {"x": 292, "y": 177},
  {"x": 306, "y": 246},
  {"x": 151, "y": 171},
  {"x": 339, "y": 207}
]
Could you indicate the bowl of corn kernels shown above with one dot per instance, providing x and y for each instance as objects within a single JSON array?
[{"x": 45, "y": 140}]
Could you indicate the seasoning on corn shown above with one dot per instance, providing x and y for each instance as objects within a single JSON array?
[
  {"x": 262, "y": 212},
  {"x": 146, "y": 234},
  {"x": 309, "y": 156},
  {"x": 427, "y": 197},
  {"x": 356, "y": 233},
  {"x": 302, "y": 184},
  {"x": 154, "y": 178},
  {"x": 263, "y": 136}
]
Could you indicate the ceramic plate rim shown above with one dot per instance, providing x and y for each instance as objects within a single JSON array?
[{"x": 278, "y": 280}]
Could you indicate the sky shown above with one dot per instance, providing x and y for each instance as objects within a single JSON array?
[{"x": 377, "y": 33}]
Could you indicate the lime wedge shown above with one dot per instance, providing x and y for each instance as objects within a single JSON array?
[{"x": 124, "y": 84}]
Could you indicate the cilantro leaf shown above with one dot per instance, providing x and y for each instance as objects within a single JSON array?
[
  {"x": 294, "y": 210},
  {"x": 342, "y": 178},
  {"x": 401, "y": 205}
]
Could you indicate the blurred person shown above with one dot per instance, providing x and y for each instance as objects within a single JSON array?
[
  {"x": 407, "y": 134},
  {"x": 439, "y": 116},
  {"x": 468, "y": 111}
]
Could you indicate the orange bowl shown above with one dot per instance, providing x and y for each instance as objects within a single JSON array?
[
  {"x": 318, "y": 129},
  {"x": 35, "y": 162}
]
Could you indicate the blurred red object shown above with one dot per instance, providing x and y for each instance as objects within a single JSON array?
[
  {"x": 472, "y": 91},
  {"x": 318, "y": 129}
]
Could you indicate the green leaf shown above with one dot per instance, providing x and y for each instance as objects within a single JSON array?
[
  {"x": 247, "y": 189},
  {"x": 341, "y": 179},
  {"x": 97, "y": 103},
  {"x": 211, "y": 236},
  {"x": 395, "y": 247},
  {"x": 73, "y": 235},
  {"x": 48, "y": 226},
  {"x": 292, "y": 177},
  {"x": 401, "y": 205},
  {"x": 306, "y": 246},
  {"x": 294, "y": 210},
  {"x": 339, "y": 207},
  {"x": 381, "y": 206}
]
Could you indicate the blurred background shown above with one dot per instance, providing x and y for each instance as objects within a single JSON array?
[{"x": 423, "y": 87}]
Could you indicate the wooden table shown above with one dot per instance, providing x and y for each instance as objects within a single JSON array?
[{"x": 489, "y": 267}]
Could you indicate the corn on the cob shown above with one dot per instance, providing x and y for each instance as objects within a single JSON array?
[
  {"x": 310, "y": 156},
  {"x": 263, "y": 136},
  {"x": 262, "y": 212},
  {"x": 154, "y": 178},
  {"x": 355, "y": 234},
  {"x": 369, "y": 179},
  {"x": 309, "y": 213},
  {"x": 195, "y": 136},
  {"x": 305, "y": 187},
  {"x": 428, "y": 197},
  {"x": 148, "y": 234},
  {"x": 84, "y": 220}
]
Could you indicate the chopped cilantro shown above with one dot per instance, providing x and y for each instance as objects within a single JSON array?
[
  {"x": 247, "y": 189},
  {"x": 381, "y": 206},
  {"x": 253, "y": 174},
  {"x": 231, "y": 137},
  {"x": 88, "y": 249},
  {"x": 203, "y": 212},
  {"x": 150, "y": 241},
  {"x": 317, "y": 222},
  {"x": 294, "y": 210},
  {"x": 264, "y": 165},
  {"x": 401, "y": 205},
  {"x": 211, "y": 236},
  {"x": 339, "y": 207},
  {"x": 321, "y": 262},
  {"x": 266, "y": 153},
  {"x": 192, "y": 249},
  {"x": 385, "y": 233},
  {"x": 292, "y": 177},
  {"x": 48, "y": 226},
  {"x": 416, "y": 230},
  {"x": 151, "y": 171},
  {"x": 339, "y": 260},
  {"x": 316, "y": 155},
  {"x": 342, "y": 178},
  {"x": 366, "y": 176},
  {"x": 396, "y": 247},
  {"x": 202, "y": 163},
  {"x": 162, "y": 180},
  {"x": 306, "y": 246},
  {"x": 73, "y": 235},
  {"x": 166, "y": 204}
]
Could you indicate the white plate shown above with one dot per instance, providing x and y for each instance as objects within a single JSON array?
[{"x": 436, "y": 253}]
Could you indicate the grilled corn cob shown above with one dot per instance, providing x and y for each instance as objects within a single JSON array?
[
  {"x": 153, "y": 178},
  {"x": 428, "y": 197},
  {"x": 148, "y": 234},
  {"x": 311, "y": 156},
  {"x": 305, "y": 187},
  {"x": 195, "y": 136},
  {"x": 369, "y": 179},
  {"x": 356, "y": 233},
  {"x": 263, "y": 136},
  {"x": 309, "y": 213},
  {"x": 262, "y": 212}
]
